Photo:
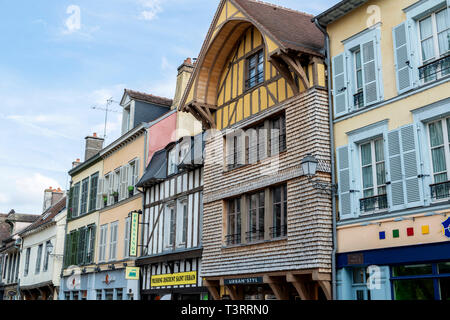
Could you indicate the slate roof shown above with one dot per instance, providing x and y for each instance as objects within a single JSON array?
[
  {"x": 47, "y": 217},
  {"x": 156, "y": 170},
  {"x": 294, "y": 29},
  {"x": 149, "y": 98}
]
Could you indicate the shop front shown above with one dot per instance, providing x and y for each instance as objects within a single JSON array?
[
  {"x": 122, "y": 284},
  {"x": 418, "y": 272}
]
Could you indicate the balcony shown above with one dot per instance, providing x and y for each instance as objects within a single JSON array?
[
  {"x": 435, "y": 70},
  {"x": 278, "y": 232},
  {"x": 373, "y": 204},
  {"x": 440, "y": 190},
  {"x": 358, "y": 100},
  {"x": 233, "y": 239},
  {"x": 254, "y": 235}
]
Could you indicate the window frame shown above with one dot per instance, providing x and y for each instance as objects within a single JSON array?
[
  {"x": 283, "y": 211},
  {"x": 446, "y": 145},
  {"x": 103, "y": 242},
  {"x": 257, "y": 212},
  {"x": 39, "y": 258},
  {"x": 84, "y": 196},
  {"x": 26, "y": 269},
  {"x": 236, "y": 236},
  {"x": 373, "y": 164},
  {"x": 46, "y": 256},
  {"x": 255, "y": 53},
  {"x": 113, "y": 240}
]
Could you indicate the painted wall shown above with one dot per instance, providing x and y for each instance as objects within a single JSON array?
[
  {"x": 355, "y": 237},
  {"x": 132, "y": 150},
  {"x": 160, "y": 135},
  {"x": 398, "y": 112}
]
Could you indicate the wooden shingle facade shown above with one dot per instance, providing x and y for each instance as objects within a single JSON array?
[{"x": 262, "y": 98}]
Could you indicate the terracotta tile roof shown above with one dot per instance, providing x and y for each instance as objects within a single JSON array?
[
  {"x": 149, "y": 98},
  {"x": 294, "y": 29},
  {"x": 47, "y": 216}
]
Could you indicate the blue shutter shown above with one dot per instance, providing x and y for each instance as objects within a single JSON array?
[
  {"x": 402, "y": 56},
  {"x": 370, "y": 72},
  {"x": 345, "y": 197},
  {"x": 340, "y": 99}
]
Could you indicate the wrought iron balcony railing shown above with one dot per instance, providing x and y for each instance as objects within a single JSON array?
[
  {"x": 278, "y": 232},
  {"x": 435, "y": 70},
  {"x": 375, "y": 203},
  {"x": 358, "y": 100},
  {"x": 440, "y": 190},
  {"x": 233, "y": 239},
  {"x": 254, "y": 235}
]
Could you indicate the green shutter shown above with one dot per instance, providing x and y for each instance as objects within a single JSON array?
[
  {"x": 92, "y": 243},
  {"x": 69, "y": 213},
  {"x": 67, "y": 251}
]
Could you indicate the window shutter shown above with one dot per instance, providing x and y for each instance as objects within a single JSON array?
[
  {"x": 340, "y": 97},
  {"x": 124, "y": 184},
  {"x": 410, "y": 165},
  {"x": 81, "y": 245},
  {"x": 396, "y": 194},
  {"x": 70, "y": 204},
  {"x": 345, "y": 197},
  {"x": 406, "y": 189},
  {"x": 67, "y": 251},
  {"x": 402, "y": 57},
  {"x": 120, "y": 183},
  {"x": 99, "y": 193},
  {"x": 92, "y": 244},
  {"x": 370, "y": 73}
]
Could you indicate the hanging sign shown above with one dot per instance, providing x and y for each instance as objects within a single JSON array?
[
  {"x": 446, "y": 225},
  {"x": 132, "y": 273},
  {"x": 134, "y": 234}
]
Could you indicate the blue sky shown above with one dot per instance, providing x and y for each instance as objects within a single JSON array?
[{"x": 52, "y": 71}]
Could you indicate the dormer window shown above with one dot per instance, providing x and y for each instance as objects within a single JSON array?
[
  {"x": 126, "y": 121},
  {"x": 172, "y": 163},
  {"x": 255, "y": 69}
]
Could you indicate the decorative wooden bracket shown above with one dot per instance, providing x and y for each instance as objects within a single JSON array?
[
  {"x": 278, "y": 287},
  {"x": 212, "y": 288},
  {"x": 285, "y": 64},
  {"x": 202, "y": 112}
]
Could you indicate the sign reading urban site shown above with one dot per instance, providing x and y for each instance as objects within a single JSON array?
[
  {"x": 175, "y": 279},
  {"x": 243, "y": 281}
]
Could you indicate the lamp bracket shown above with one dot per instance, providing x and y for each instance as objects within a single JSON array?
[{"x": 324, "y": 186}]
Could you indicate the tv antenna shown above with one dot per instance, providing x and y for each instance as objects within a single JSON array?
[{"x": 107, "y": 109}]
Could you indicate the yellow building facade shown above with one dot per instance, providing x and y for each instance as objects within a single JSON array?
[{"x": 390, "y": 95}]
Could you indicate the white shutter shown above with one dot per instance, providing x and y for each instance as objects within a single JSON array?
[
  {"x": 403, "y": 59},
  {"x": 410, "y": 165},
  {"x": 340, "y": 90},
  {"x": 370, "y": 73},
  {"x": 120, "y": 183},
  {"x": 99, "y": 193},
  {"x": 110, "y": 188},
  {"x": 344, "y": 182},
  {"x": 396, "y": 194},
  {"x": 406, "y": 189}
]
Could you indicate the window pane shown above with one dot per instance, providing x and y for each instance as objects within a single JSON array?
[
  {"x": 441, "y": 20},
  {"x": 367, "y": 177},
  {"x": 444, "y": 267},
  {"x": 359, "y": 80},
  {"x": 444, "y": 286},
  {"x": 427, "y": 49},
  {"x": 358, "y": 275},
  {"x": 418, "y": 289},
  {"x": 438, "y": 156},
  {"x": 366, "y": 155},
  {"x": 426, "y": 29},
  {"x": 444, "y": 42},
  {"x": 381, "y": 174},
  {"x": 379, "y": 150},
  {"x": 412, "y": 270},
  {"x": 436, "y": 135},
  {"x": 358, "y": 59}
]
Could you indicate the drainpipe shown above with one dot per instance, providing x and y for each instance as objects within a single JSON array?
[{"x": 333, "y": 173}]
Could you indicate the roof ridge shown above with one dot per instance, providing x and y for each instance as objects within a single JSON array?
[
  {"x": 280, "y": 7},
  {"x": 148, "y": 94}
]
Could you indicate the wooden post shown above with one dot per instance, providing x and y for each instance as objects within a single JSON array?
[
  {"x": 212, "y": 288},
  {"x": 299, "y": 285},
  {"x": 278, "y": 287}
]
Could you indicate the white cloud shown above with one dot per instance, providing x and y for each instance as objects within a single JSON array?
[{"x": 151, "y": 9}]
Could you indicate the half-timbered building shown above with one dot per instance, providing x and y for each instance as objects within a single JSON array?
[
  {"x": 172, "y": 222},
  {"x": 259, "y": 88}
]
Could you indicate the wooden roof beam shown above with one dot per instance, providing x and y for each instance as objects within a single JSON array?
[{"x": 283, "y": 69}]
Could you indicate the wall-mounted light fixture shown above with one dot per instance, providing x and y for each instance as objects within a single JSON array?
[{"x": 309, "y": 168}]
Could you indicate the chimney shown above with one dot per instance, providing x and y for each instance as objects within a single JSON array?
[
  {"x": 76, "y": 163},
  {"x": 184, "y": 74},
  {"x": 51, "y": 197},
  {"x": 93, "y": 145}
]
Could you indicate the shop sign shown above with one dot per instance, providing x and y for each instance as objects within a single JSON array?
[
  {"x": 175, "y": 279},
  {"x": 132, "y": 273},
  {"x": 446, "y": 225},
  {"x": 134, "y": 234},
  {"x": 355, "y": 258},
  {"x": 109, "y": 279},
  {"x": 252, "y": 280}
]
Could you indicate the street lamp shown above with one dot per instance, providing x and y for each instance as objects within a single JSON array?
[
  {"x": 309, "y": 167},
  {"x": 50, "y": 250}
]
